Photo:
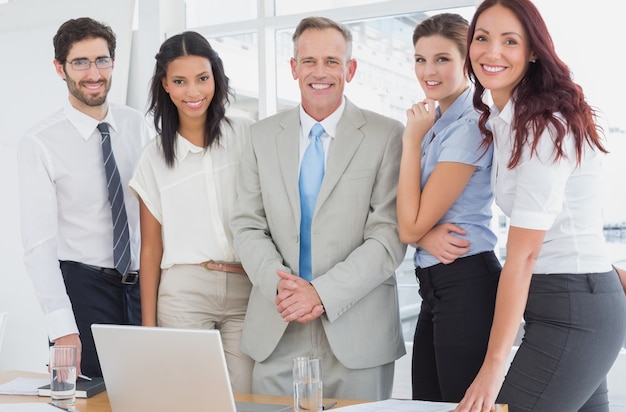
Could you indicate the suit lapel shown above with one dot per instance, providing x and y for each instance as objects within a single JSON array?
[
  {"x": 287, "y": 148},
  {"x": 347, "y": 141}
]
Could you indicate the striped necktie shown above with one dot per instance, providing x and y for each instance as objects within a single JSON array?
[
  {"x": 311, "y": 175},
  {"x": 121, "y": 238}
]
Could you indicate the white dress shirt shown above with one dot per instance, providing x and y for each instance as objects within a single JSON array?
[
  {"x": 65, "y": 210},
  {"x": 193, "y": 200},
  {"x": 330, "y": 130},
  {"x": 560, "y": 197}
]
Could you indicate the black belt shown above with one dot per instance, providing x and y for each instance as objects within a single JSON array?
[{"x": 128, "y": 279}]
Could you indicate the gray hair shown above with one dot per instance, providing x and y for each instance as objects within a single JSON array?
[{"x": 321, "y": 23}]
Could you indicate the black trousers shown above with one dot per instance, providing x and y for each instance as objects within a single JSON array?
[
  {"x": 453, "y": 326},
  {"x": 97, "y": 298}
]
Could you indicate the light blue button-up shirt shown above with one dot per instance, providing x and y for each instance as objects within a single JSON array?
[{"x": 457, "y": 138}]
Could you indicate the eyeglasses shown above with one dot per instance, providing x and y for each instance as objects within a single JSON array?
[{"x": 85, "y": 64}]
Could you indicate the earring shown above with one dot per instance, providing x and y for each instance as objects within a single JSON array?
[{"x": 533, "y": 60}]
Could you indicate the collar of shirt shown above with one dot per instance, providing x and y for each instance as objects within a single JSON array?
[
  {"x": 457, "y": 109},
  {"x": 330, "y": 128},
  {"x": 87, "y": 125},
  {"x": 184, "y": 147},
  {"x": 330, "y": 123},
  {"x": 500, "y": 122},
  {"x": 506, "y": 114}
]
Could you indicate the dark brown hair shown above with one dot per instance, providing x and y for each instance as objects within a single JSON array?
[
  {"x": 448, "y": 25},
  {"x": 75, "y": 30}
]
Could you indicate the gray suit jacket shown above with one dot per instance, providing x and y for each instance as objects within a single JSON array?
[{"x": 355, "y": 243}]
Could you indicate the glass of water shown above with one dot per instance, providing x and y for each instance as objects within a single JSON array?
[
  {"x": 63, "y": 376},
  {"x": 307, "y": 384}
]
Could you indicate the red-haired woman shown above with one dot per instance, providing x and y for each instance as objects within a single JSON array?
[{"x": 547, "y": 170}]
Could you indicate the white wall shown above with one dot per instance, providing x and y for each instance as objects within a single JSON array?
[{"x": 30, "y": 90}]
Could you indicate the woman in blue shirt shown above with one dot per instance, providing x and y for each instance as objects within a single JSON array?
[{"x": 444, "y": 209}]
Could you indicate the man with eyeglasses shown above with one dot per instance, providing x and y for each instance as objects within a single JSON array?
[{"x": 80, "y": 222}]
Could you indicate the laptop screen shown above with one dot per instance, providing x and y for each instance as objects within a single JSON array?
[{"x": 163, "y": 369}]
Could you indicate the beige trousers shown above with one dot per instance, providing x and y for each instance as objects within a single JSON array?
[
  {"x": 193, "y": 297},
  {"x": 274, "y": 375}
]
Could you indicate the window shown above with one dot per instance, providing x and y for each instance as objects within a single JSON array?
[
  {"x": 202, "y": 13},
  {"x": 239, "y": 54},
  {"x": 292, "y": 7}
]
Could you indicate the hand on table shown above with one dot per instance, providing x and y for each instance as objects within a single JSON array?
[{"x": 482, "y": 393}]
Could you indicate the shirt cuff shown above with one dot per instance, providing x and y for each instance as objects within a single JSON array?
[
  {"x": 61, "y": 323},
  {"x": 532, "y": 220}
]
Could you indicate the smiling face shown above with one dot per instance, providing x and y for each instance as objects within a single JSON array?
[
  {"x": 88, "y": 88},
  {"x": 439, "y": 69},
  {"x": 322, "y": 68},
  {"x": 191, "y": 86},
  {"x": 500, "y": 52}
]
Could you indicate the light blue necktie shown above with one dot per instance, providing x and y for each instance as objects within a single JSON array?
[
  {"x": 311, "y": 175},
  {"x": 121, "y": 238}
]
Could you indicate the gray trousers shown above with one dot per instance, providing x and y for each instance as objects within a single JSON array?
[{"x": 575, "y": 327}]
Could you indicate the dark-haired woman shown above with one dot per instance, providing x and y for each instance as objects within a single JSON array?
[
  {"x": 185, "y": 182},
  {"x": 444, "y": 207},
  {"x": 548, "y": 152}
]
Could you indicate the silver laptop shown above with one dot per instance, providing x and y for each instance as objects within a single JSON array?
[{"x": 165, "y": 369}]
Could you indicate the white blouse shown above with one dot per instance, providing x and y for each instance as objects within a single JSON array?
[
  {"x": 194, "y": 199},
  {"x": 560, "y": 197}
]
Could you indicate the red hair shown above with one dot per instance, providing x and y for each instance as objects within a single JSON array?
[{"x": 546, "y": 89}]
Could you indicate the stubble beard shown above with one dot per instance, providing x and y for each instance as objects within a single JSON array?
[{"x": 89, "y": 100}]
